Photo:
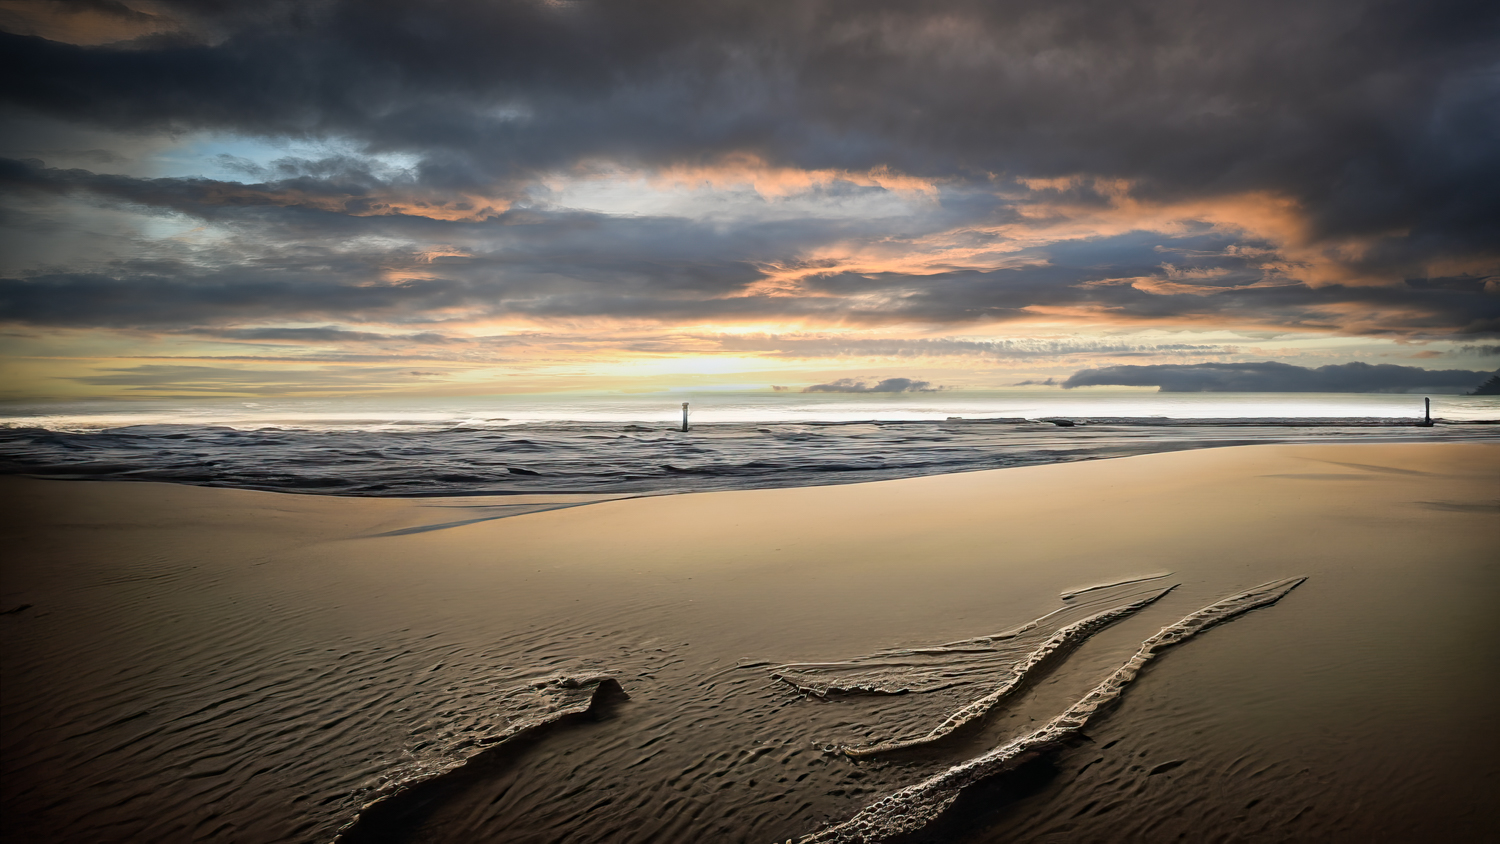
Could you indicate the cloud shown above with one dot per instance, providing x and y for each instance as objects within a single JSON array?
[
  {"x": 823, "y": 346},
  {"x": 552, "y": 283},
  {"x": 321, "y": 334},
  {"x": 172, "y": 296},
  {"x": 81, "y": 21},
  {"x": 1272, "y": 377},
  {"x": 794, "y": 177},
  {"x": 1388, "y": 98},
  {"x": 341, "y": 185},
  {"x": 346, "y": 224},
  {"x": 184, "y": 379},
  {"x": 889, "y": 385}
]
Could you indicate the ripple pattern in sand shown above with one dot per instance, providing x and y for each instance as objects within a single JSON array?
[{"x": 265, "y": 730}]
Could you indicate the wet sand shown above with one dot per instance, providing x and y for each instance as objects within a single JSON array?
[{"x": 204, "y": 663}]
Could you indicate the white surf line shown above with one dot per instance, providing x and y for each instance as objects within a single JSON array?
[
  {"x": 1074, "y": 632},
  {"x": 1068, "y": 596},
  {"x": 914, "y": 807}
]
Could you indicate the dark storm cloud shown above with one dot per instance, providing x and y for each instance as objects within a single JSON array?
[
  {"x": 1272, "y": 377},
  {"x": 1377, "y": 116},
  {"x": 81, "y": 21},
  {"x": 889, "y": 385},
  {"x": 343, "y": 186},
  {"x": 554, "y": 283},
  {"x": 295, "y": 257},
  {"x": 569, "y": 264},
  {"x": 297, "y": 220},
  {"x": 149, "y": 300},
  {"x": 1379, "y": 121},
  {"x": 1006, "y": 294}
]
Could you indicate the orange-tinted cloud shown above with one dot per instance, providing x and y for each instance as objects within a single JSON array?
[
  {"x": 85, "y": 23},
  {"x": 745, "y": 169}
]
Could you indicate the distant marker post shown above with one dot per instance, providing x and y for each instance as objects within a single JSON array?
[
  {"x": 684, "y": 417},
  {"x": 1426, "y": 413}
]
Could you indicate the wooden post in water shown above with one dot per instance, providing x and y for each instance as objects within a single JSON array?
[
  {"x": 684, "y": 417},
  {"x": 1427, "y": 413}
]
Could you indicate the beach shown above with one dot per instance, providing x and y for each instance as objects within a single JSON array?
[{"x": 195, "y": 663}]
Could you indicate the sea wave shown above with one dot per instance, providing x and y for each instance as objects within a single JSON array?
[{"x": 614, "y": 458}]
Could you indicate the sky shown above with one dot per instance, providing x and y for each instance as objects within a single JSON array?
[{"x": 359, "y": 197}]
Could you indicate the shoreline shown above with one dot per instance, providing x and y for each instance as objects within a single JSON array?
[
  {"x": 610, "y": 460},
  {"x": 659, "y": 426},
  {"x": 222, "y": 635}
]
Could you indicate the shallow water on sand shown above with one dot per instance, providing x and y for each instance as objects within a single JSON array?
[{"x": 265, "y": 685}]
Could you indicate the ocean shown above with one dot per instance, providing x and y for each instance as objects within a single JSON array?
[{"x": 633, "y": 443}]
